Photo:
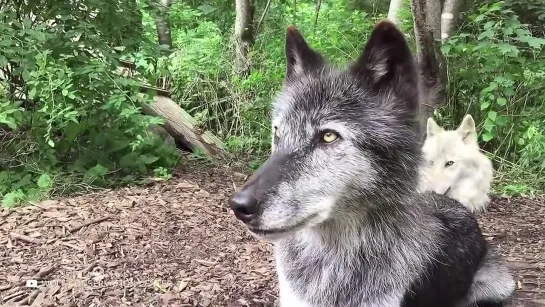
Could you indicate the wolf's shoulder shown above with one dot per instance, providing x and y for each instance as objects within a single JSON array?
[{"x": 451, "y": 214}]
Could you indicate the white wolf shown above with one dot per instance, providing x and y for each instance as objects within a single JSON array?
[{"x": 454, "y": 165}]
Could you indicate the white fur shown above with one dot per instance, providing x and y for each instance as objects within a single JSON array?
[
  {"x": 469, "y": 178},
  {"x": 288, "y": 298}
]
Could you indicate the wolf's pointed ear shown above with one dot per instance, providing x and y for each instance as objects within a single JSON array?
[
  {"x": 467, "y": 129},
  {"x": 387, "y": 63},
  {"x": 300, "y": 58},
  {"x": 433, "y": 128}
]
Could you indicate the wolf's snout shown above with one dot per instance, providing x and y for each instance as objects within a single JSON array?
[{"x": 245, "y": 205}]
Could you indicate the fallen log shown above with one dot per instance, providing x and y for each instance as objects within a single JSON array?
[
  {"x": 181, "y": 126},
  {"x": 178, "y": 123}
]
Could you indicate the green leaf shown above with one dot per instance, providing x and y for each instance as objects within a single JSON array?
[
  {"x": 97, "y": 171},
  {"x": 488, "y": 125},
  {"x": 148, "y": 159},
  {"x": 502, "y": 120},
  {"x": 501, "y": 101},
  {"x": 206, "y": 9},
  {"x": 3, "y": 61},
  {"x": 51, "y": 143},
  {"x": 487, "y": 136},
  {"x": 485, "y": 105},
  {"x": 44, "y": 181},
  {"x": 13, "y": 198},
  {"x": 509, "y": 91},
  {"x": 32, "y": 93},
  {"x": 8, "y": 121},
  {"x": 492, "y": 115},
  {"x": 535, "y": 42},
  {"x": 492, "y": 86}
]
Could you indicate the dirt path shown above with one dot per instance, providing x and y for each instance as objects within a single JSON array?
[{"x": 177, "y": 244}]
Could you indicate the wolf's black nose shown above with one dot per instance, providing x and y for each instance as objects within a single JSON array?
[{"x": 244, "y": 204}]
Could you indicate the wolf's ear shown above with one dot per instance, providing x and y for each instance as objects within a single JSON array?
[
  {"x": 433, "y": 128},
  {"x": 467, "y": 129},
  {"x": 387, "y": 63},
  {"x": 300, "y": 58}
]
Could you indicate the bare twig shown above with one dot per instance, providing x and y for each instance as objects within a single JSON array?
[
  {"x": 89, "y": 267},
  {"x": 265, "y": 11},
  {"x": 14, "y": 296},
  {"x": 44, "y": 272},
  {"x": 40, "y": 275},
  {"x": 78, "y": 248},
  {"x": 21, "y": 237},
  {"x": 519, "y": 265},
  {"x": 99, "y": 220},
  {"x": 316, "y": 14},
  {"x": 31, "y": 297}
]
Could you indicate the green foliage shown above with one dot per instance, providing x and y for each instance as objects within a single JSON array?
[
  {"x": 68, "y": 122},
  {"x": 63, "y": 108},
  {"x": 495, "y": 68},
  {"x": 497, "y": 74}
]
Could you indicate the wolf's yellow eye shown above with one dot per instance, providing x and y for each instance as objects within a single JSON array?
[
  {"x": 449, "y": 163},
  {"x": 276, "y": 132},
  {"x": 330, "y": 137}
]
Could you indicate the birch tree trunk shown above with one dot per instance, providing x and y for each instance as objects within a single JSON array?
[
  {"x": 244, "y": 36},
  {"x": 449, "y": 17},
  {"x": 162, "y": 23},
  {"x": 395, "y": 6}
]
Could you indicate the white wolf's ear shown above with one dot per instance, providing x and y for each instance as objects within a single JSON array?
[
  {"x": 300, "y": 58},
  {"x": 432, "y": 128},
  {"x": 388, "y": 64},
  {"x": 467, "y": 129}
]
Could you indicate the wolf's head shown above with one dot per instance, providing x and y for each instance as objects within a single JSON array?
[
  {"x": 343, "y": 140},
  {"x": 445, "y": 152}
]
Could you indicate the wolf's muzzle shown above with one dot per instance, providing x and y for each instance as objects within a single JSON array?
[
  {"x": 247, "y": 201},
  {"x": 244, "y": 205}
]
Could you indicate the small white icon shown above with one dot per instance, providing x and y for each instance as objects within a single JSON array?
[{"x": 32, "y": 283}]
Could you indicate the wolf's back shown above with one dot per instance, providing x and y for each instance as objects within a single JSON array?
[{"x": 464, "y": 261}]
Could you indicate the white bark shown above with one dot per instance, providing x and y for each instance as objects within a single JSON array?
[
  {"x": 449, "y": 17},
  {"x": 395, "y": 6}
]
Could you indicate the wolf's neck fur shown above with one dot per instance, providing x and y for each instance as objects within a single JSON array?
[{"x": 376, "y": 256}]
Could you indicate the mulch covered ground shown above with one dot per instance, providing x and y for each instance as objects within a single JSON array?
[{"x": 176, "y": 243}]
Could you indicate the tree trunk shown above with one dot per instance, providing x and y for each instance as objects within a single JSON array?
[
  {"x": 433, "y": 17},
  {"x": 395, "y": 6},
  {"x": 244, "y": 36},
  {"x": 162, "y": 23},
  {"x": 449, "y": 17},
  {"x": 430, "y": 58}
]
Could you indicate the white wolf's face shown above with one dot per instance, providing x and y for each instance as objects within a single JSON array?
[
  {"x": 445, "y": 153},
  {"x": 339, "y": 137}
]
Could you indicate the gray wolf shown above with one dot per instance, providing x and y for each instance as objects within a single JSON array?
[
  {"x": 454, "y": 166},
  {"x": 338, "y": 195}
]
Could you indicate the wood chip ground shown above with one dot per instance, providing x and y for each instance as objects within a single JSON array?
[{"x": 176, "y": 243}]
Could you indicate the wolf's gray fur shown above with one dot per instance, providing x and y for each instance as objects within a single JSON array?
[{"x": 338, "y": 194}]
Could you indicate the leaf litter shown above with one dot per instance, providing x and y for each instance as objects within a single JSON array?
[{"x": 176, "y": 243}]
